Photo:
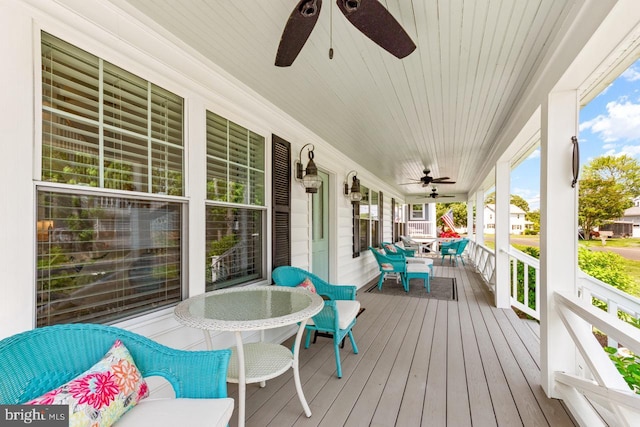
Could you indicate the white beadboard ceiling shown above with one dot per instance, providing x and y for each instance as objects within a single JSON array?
[{"x": 440, "y": 108}]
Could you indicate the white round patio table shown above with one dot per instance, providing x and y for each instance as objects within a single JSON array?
[{"x": 250, "y": 309}]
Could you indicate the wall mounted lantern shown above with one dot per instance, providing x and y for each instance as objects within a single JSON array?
[
  {"x": 354, "y": 195},
  {"x": 310, "y": 180}
]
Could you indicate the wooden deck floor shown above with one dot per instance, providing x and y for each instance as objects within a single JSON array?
[{"x": 421, "y": 362}]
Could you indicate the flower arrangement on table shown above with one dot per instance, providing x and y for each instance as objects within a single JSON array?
[{"x": 449, "y": 235}]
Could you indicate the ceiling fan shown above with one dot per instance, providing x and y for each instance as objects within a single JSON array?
[
  {"x": 368, "y": 16},
  {"x": 428, "y": 179},
  {"x": 434, "y": 194}
]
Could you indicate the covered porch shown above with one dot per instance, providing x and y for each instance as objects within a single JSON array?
[
  {"x": 421, "y": 362},
  {"x": 488, "y": 84}
]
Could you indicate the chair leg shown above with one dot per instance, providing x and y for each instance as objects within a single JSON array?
[
  {"x": 380, "y": 281},
  {"x": 337, "y": 352},
  {"x": 353, "y": 343},
  {"x": 405, "y": 282},
  {"x": 307, "y": 341}
]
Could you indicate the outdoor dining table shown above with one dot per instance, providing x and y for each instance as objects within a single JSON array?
[{"x": 251, "y": 309}]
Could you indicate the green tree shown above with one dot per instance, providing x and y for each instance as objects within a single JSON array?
[
  {"x": 534, "y": 217},
  {"x": 600, "y": 200},
  {"x": 623, "y": 170},
  {"x": 459, "y": 213},
  {"x": 514, "y": 200}
]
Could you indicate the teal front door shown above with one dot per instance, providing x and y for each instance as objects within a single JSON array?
[{"x": 320, "y": 229}]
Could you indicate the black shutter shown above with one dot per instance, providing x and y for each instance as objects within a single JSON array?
[
  {"x": 281, "y": 190},
  {"x": 394, "y": 228},
  {"x": 356, "y": 229}
]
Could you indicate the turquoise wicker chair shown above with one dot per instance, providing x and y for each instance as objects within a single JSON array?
[
  {"x": 449, "y": 249},
  {"x": 453, "y": 250},
  {"x": 390, "y": 265},
  {"x": 392, "y": 249},
  {"x": 42, "y": 359},
  {"x": 460, "y": 250},
  {"x": 338, "y": 315}
]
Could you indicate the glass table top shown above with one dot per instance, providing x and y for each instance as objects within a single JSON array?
[{"x": 259, "y": 307}]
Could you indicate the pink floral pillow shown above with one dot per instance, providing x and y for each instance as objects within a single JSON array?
[
  {"x": 381, "y": 251},
  {"x": 391, "y": 248},
  {"x": 308, "y": 285},
  {"x": 102, "y": 394},
  {"x": 386, "y": 266}
]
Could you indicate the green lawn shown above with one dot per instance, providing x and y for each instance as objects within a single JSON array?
[{"x": 632, "y": 242}]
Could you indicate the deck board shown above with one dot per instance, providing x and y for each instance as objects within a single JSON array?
[{"x": 421, "y": 362}]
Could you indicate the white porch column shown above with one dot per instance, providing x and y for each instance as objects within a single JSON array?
[
  {"x": 480, "y": 217},
  {"x": 558, "y": 228},
  {"x": 197, "y": 176},
  {"x": 503, "y": 199},
  {"x": 469, "y": 218}
]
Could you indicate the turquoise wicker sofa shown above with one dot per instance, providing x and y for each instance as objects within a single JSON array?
[{"x": 39, "y": 360}]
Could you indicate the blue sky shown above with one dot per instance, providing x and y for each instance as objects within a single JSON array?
[{"x": 609, "y": 125}]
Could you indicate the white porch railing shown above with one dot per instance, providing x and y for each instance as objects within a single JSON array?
[
  {"x": 421, "y": 228},
  {"x": 597, "y": 393},
  {"x": 600, "y": 396},
  {"x": 484, "y": 260},
  {"x": 617, "y": 302}
]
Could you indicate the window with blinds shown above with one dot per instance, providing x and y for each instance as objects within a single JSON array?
[
  {"x": 235, "y": 203},
  {"x": 235, "y": 163},
  {"x": 105, "y": 127},
  {"x": 105, "y": 256}
]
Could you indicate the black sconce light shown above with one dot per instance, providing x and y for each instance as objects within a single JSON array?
[
  {"x": 354, "y": 195},
  {"x": 310, "y": 180}
]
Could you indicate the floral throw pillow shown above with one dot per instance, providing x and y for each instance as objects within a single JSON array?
[
  {"x": 308, "y": 285},
  {"x": 386, "y": 266},
  {"x": 391, "y": 248},
  {"x": 102, "y": 394}
]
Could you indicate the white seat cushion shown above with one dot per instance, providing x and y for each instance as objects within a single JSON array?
[
  {"x": 417, "y": 268},
  {"x": 425, "y": 261},
  {"x": 347, "y": 311},
  {"x": 178, "y": 412}
]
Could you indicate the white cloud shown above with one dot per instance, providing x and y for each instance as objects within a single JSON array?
[
  {"x": 621, "y": 122},
  {"x": 534, "y": 155},
  {"x": 631, "y": 74},
  {"x": 630, "y": 150}
]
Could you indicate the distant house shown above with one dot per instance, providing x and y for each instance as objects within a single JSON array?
[
  {"x": 633, "y": 215},
  {"x": 517, "y": 221}
]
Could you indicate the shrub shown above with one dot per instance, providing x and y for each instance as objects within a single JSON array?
[
  {"x": 628, "y": 365},
  {"x": 608, "y": 267}
]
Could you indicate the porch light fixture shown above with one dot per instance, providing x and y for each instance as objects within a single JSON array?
[
  {"x": 310, "y": 180},
  {"x": 354, "y": 195}
]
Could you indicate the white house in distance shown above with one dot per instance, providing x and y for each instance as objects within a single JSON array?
[{"x": 517, "y": 220}]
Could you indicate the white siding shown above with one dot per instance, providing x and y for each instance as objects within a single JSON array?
[{"x": 132, "y": 46}]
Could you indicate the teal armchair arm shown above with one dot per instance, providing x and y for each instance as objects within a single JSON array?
[{"x": 293, "y": 276}]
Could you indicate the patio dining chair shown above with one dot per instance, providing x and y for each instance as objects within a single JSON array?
[
  {"x": 395, "y": 266},
  {"x": 340, "y": 307},
  {"x": 453, "y": 250},
  {"x": 409, "y": 243},
  {"x": 449, "y": 249},
  {"x": 393, "y": 249}
]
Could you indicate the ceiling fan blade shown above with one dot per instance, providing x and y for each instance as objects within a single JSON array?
[
  {"x": 437, "y": 181},
  {"x": 297, "y": 31},
  {"x": 377, "y": 23}
]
